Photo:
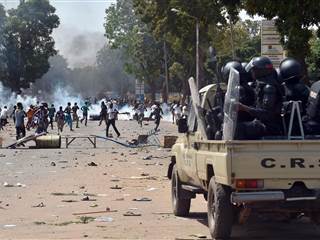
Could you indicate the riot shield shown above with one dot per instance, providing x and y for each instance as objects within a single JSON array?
[
  {"x": 229, "y": 109},
  {"x": 197, "y": 107}
]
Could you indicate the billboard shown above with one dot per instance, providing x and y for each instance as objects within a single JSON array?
[{"x": 270, "y": 42}]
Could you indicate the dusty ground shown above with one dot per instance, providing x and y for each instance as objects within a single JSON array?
[{"x": 54, "y": 182}]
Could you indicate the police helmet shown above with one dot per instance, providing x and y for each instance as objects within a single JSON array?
[
  {"x": 290, "y": 70},
  {"x": 260, "y": 67},
  {"x": 232, "y": 64}
]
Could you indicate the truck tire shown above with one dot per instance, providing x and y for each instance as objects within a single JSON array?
[
  {"x": 180, "y": 204},
  {"x": 220, "y": 210}
]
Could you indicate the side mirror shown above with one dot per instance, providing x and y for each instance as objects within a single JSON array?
[{"x": 182, "y": 125}]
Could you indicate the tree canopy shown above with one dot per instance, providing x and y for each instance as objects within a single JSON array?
[{"x": 28, "y": 43}]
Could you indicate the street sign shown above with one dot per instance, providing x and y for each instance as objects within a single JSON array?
[{"x": 270, "y": 42}]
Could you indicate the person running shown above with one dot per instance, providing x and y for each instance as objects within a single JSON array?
[
  {"x": 60, "y": 119},
  {"x": 68, "y": 119},
  {"x": 4, "y": 116},
  {"x": 85, "y": 110},
  {"x": 41, "y": 116},
  {"x": 52, "y": 111},
  {"x": 103, "y": 113},
  {"x": 75, "y": 116},
  {"x": 30, "y": 114},
  {"x": 13, "y": 114},
  {"x": 140, "y": 110},
  {"x": 19, "y": 121},
  {"x": 157, "y": 113},
  {"x": 112, "y": 114}
]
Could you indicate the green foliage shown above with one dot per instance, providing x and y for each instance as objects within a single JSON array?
[
  {"x": 28, "y": 42},
  {"x": 314, "y": 59},
  {"x": 125, "y": 31},
  {"x": 2, "y": 59}
]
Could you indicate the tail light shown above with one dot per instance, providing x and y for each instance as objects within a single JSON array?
[{"x": 249, "y": 183}]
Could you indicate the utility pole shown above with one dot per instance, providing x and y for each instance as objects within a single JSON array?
[
  {"x": 166, "y": 68},
  {"x": 197, "y": 53}
]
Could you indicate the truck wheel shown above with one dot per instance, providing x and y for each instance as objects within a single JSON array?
[
  {"x": 180, "y": 205},
  {"x": 220, "y": 210}
]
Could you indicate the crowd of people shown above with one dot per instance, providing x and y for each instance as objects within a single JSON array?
[{"x": 42, "y": 116}]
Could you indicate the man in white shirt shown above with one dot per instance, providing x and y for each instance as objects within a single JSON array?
[
  {"x": 4, "y": 116},
  {"x": 112, "y": 114}
]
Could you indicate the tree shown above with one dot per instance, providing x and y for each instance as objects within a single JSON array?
[
  {"x": 294, "y": 18},
  {"x": 313, "y": 59},
  {"x": 28, "y": 42},
  {"x": 124, "y": 30},
  {"x": 2, "y": 25}
]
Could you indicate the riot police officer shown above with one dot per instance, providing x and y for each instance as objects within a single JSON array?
[
  {"x": 263, "y": 73},
  {"x": 267, "y": 116},
  {"x": 294, "y": 88},
  {"x": 246, "y": 93}
]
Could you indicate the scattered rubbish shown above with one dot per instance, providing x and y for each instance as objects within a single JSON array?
[
  {"x": 104, "y": 219},
  {"x": 63, "y": 162},
  {"x": 108, "y": 210},
  {"x": 143, "y": 199},
  {"x": 82, "y": 187},
  {"x": 9, "y": 225},
  {"x": 5, "y": 184},
  {"x": 39, "y": 223},
  {"x": 94, "y": 205},
  {"x": 64, "y": 194},
  {"x": 40, "y": 205},
  {"x": 69, "y": 200},
  {"x": 20, "y": 185},
  {"x": 145, "y": 174},
  {"x": 53, "y": 164},
  {"x": 151, "y": 189},
  {"x": 86, "y": 198},
  {"x": 116, "y": 187},
  {"x": 133, "y": 153},
  {"x": 9, "y": 163},
  {"x": 131, "y": 214},
  {"x": 147, "y": 157},
  {"x": 92, "y": 164},
  {"x": 119, "y": 199},
  {"x": 2, "y": 155}
]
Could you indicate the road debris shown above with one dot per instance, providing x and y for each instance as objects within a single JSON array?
[
  {"x": 131, "y": 214},
  {"x": 92, "y": 164},
  {"x": 143, "y": 199},
  {"x": 40, "y": 205}
]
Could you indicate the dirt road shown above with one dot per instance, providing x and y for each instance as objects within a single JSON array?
[{"x": 56, "y": 188}]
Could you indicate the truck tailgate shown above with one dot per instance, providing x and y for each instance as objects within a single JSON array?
[{"x": 275, "y": 159}]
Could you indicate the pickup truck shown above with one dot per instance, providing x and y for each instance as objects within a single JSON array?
[{"x": 237, "y": 177}]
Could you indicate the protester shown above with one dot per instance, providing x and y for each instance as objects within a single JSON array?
[
  {"x": 85, "y": 110},
  {"x": 112, "y": 114},
  {"x": 52, "y": 111},
  {"x": 60, "y": 118},
  {"x": 4, "y": 116},
  {"x": 157, "y": 113},
  {"x": 30, "y": 115},
  {"x": 68, "y": 118},
  {"x": 19, "y": 121},
  {"x": 12, "y": 115},
  {"x": 103, "y": 113},
  {"x": 75, "y": 116}
]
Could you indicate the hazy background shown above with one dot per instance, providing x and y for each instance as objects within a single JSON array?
[{"x": 81, "y": 32}]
